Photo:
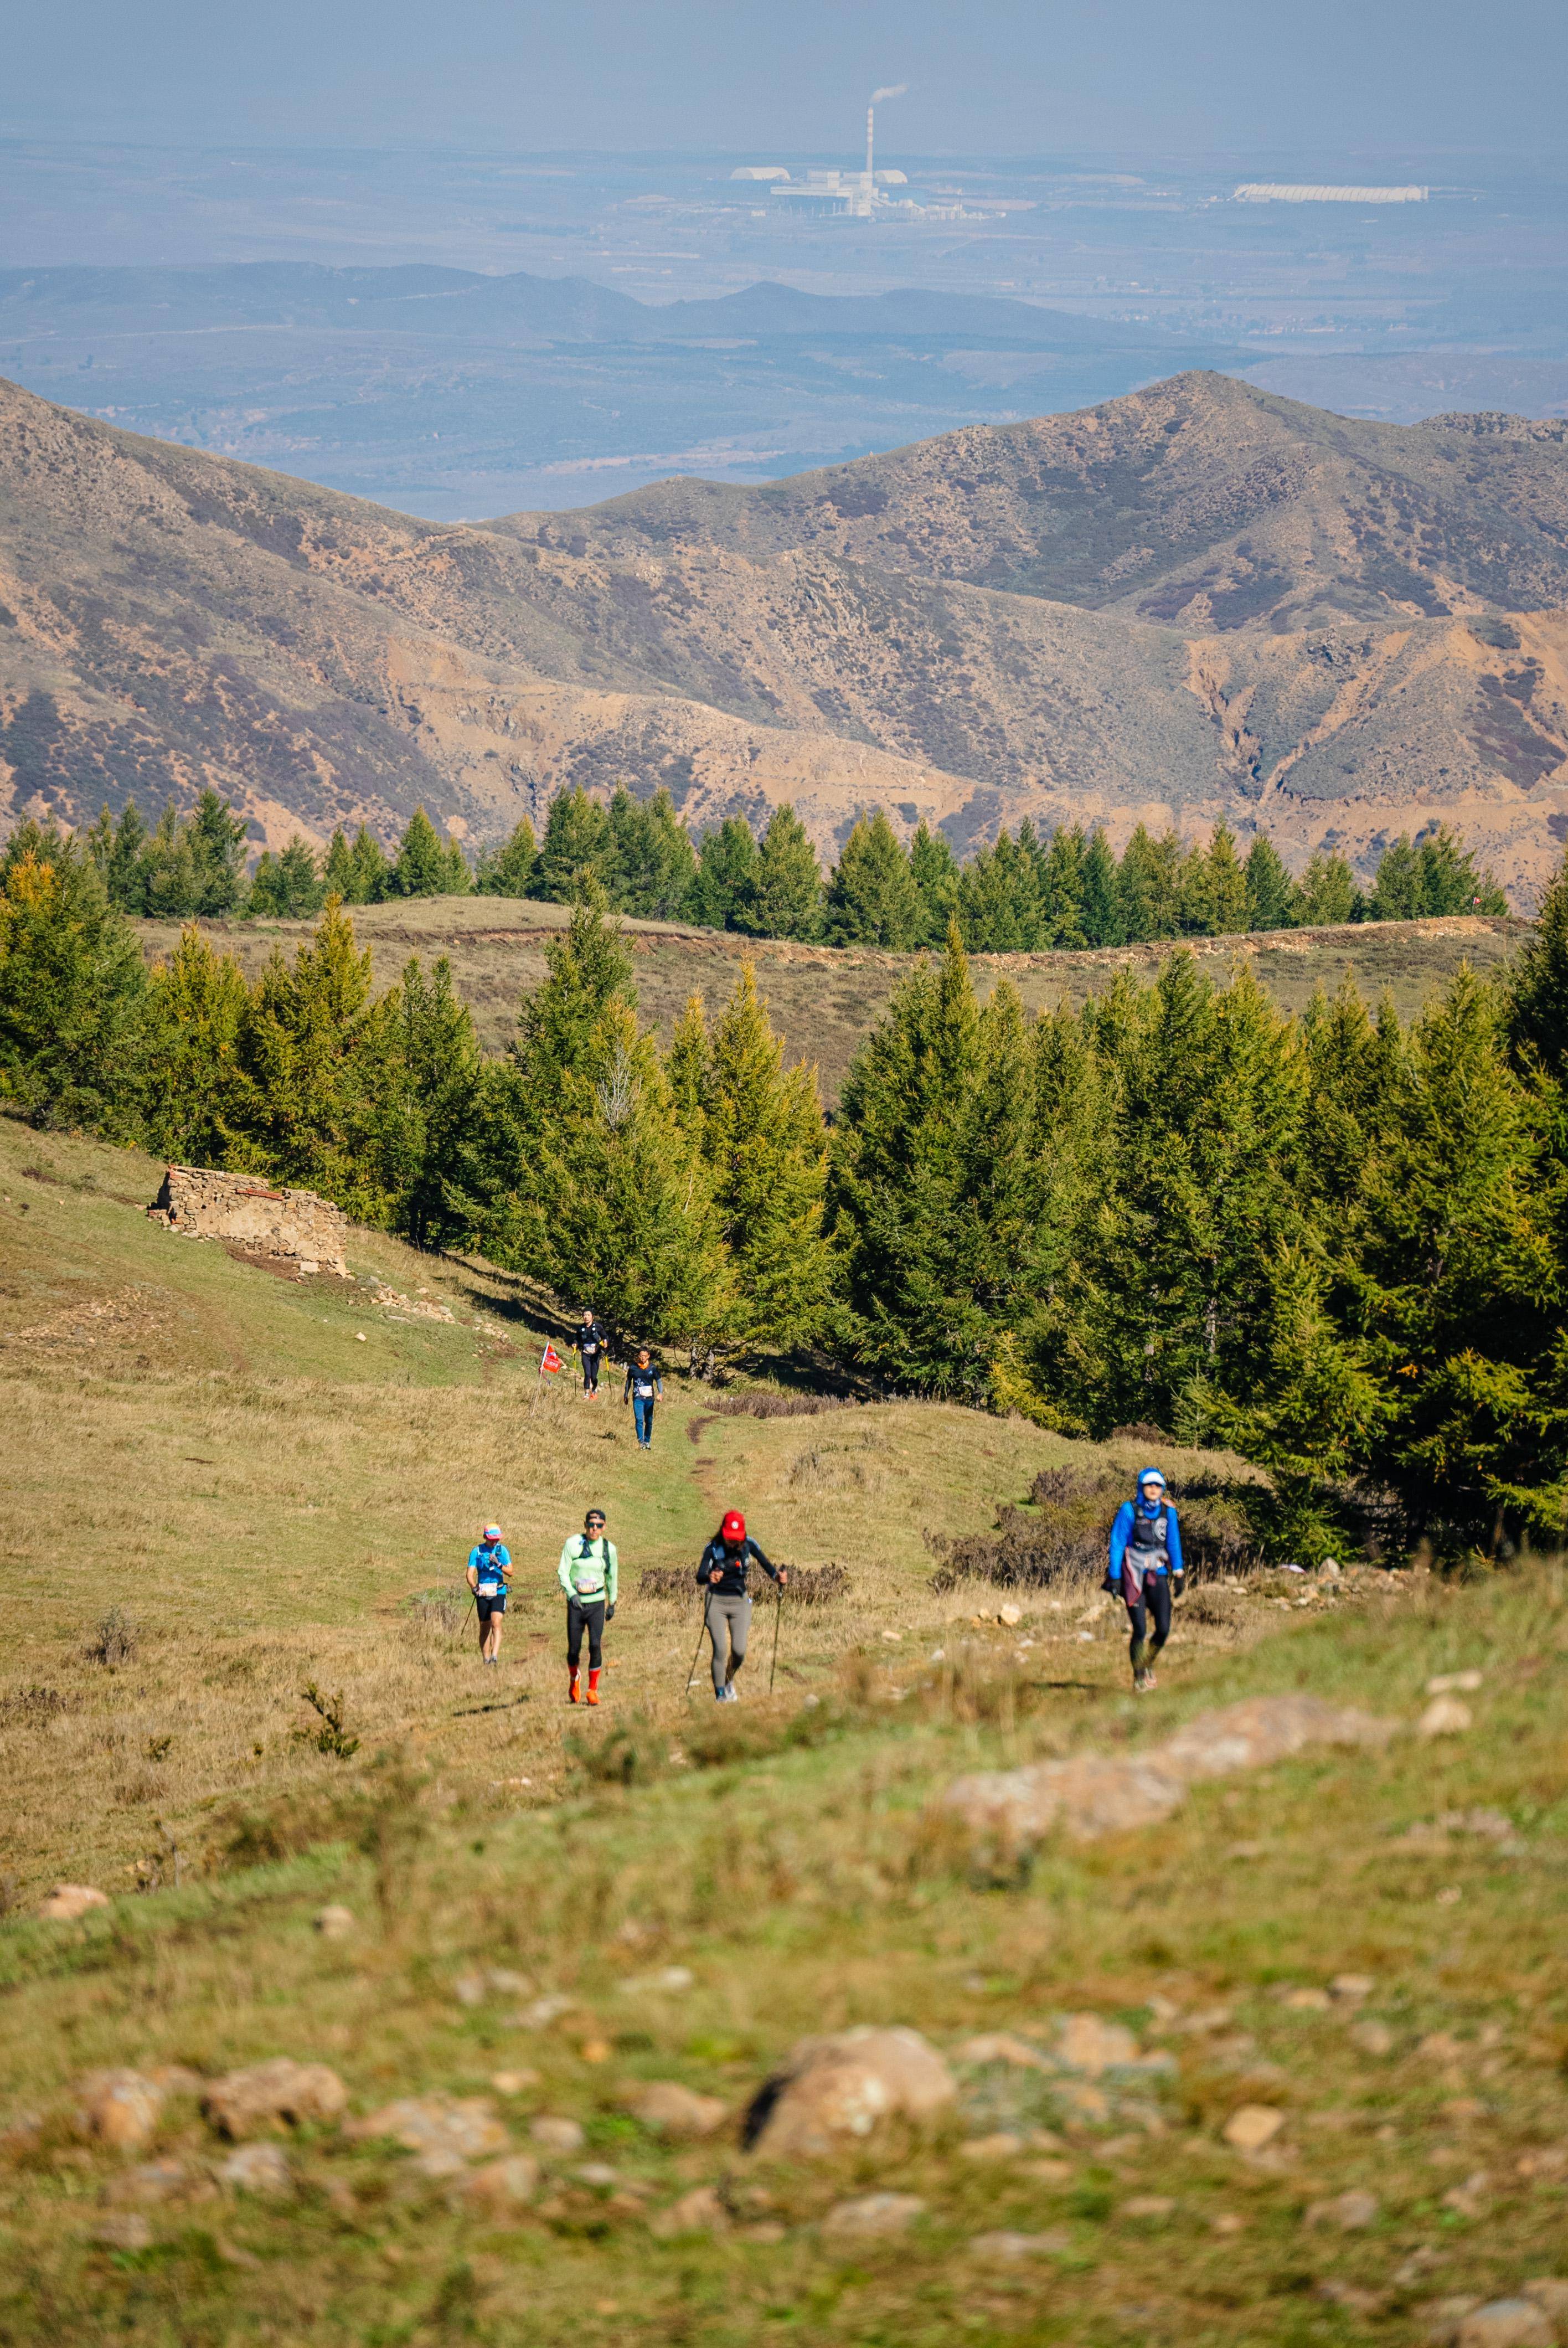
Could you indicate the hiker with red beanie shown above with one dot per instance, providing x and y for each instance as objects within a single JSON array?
[{"x": 725, "y": 1564}]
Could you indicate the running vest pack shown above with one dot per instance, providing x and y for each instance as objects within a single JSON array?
[
  {"x": 589, "y": 1560},
  {"x": 1150, "y": 1537}
]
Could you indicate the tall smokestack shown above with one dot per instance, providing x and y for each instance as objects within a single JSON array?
[{"x": 870, "y": 125}]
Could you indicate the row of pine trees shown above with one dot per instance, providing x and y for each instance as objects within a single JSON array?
[
  {"x": 1339, "y": 1246},
  {"x": 1022, "y": 894}
]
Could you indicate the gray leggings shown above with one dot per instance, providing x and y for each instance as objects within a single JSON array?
[{"x": 734, "y": 1613}]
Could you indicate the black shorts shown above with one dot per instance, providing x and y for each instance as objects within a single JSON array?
[{"x": 484, "y": 1607}]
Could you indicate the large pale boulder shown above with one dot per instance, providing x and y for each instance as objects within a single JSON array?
[
  {"x": 1099, "y": 1794},
  {"x": 830, "y": 2093},
  {"x": 670, "y": 2109},
  {"x": 67, "y": 1902},
  {"x": 445, "y": 2132},
  {"x": 246, "y": 2103}
]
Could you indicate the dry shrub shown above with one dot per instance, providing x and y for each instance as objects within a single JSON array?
[
  {"x": 809, "y": 1585},
  {"x": 670, "y": 1585},
  {"x": 440, "y": 1611},
  {"x": 1061, "y": 1538},
  {"x": 773, "y": 1405},
  {"x": 32, "y": 1707},
  {"x": 115, "y": 1639}
]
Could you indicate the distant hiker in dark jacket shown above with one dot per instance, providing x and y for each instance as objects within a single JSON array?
[
  {"x": 644, "y": 1387},
  {"x": 723, "y": 1572},
  {"x": 1146, "y": 1569},
  {"x": 593, "y": 1346}
]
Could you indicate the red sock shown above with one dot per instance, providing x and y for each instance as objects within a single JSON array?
[{"x": 593, "y": 1677}]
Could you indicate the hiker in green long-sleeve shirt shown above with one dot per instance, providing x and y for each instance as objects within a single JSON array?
[{"x": 590, "y": 1574}]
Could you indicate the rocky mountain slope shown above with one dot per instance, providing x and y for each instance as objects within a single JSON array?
[{"x": 1194, "y": 603}]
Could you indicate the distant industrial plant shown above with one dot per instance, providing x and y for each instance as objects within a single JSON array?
[
  {"x": 845, "y": 195},
  {"x": 1269, "y": 191}
]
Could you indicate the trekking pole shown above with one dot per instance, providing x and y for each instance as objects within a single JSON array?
[
  {"x": 778, "y": 1609},
  {"x": 698, "y": 1648}
]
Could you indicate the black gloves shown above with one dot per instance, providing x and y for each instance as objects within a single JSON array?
[
  {"x": 1178, "y": 1584},
  {"x": 609, "y": 1613}
]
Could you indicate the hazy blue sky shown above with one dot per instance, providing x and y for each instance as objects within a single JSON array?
[{"x": 1334, "y": 77}]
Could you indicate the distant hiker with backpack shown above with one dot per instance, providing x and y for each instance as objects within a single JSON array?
[
  {"x": 590, "y": 1574},
  {"x": 591, "y": 1346},
  {"x": 1147, "y": 1570},
  {"x": 489, "y": 1570},
  {"x": 723, "y": 1574},
  {"x": 644, "y": 1387}
]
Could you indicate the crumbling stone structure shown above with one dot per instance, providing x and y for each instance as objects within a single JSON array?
[{"x": 292, "y": 1229}]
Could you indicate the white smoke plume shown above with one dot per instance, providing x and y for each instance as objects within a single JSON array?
[{"x": 897, "y": 90}]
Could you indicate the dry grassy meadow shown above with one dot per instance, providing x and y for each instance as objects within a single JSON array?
[{"x": 222, "y": 1486}]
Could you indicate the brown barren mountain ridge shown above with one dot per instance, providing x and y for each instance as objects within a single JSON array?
[{"x": 1200, "y": 602}]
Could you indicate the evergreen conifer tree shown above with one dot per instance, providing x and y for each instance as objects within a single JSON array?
[
  {"x": 217, "y": 837},
  {"x": 72, "y": 994},
  {"x": 763, "y": 1139},
  {"x": 1271, "y": 893},
  {"x": 935, "y": 872},
  {"x": 690, "y": 1067},
  {"x": 119, "y": 860},
  {"x": 1063, "y": 882},
  {"x": 1147, "y": 887},
  {"x": 372, "y": 871},
  {"x": 872, "y": 900},
  {"x": 1327, "y": 896},
  {"x": 289, "y": 887},
  {"x": 649, "y": 864},
  {"x": 191, "y": 1093},
  {"x": 1212, "y": 889},
  {"x": 1537, "y": 989},
  {"x": 511, "y": 869},
  {"x": 576, "y": 844},
  {"x": 428, "y": 1145},
  {"x": 339, "y": 878},
  {"x": 170, "y": 888},
  {"x": 999, "y": 909},
  {"x": 425, "y": 865},
  {"x": 726, "y": 875},
  {"x": 783, "y": 898},
  {"x": 1102, "y": 902}
]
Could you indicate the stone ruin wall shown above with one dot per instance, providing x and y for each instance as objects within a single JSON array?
[{"x": 295, "y": 1227}]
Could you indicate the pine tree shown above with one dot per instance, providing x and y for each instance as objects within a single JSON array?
[
  {"x": 1147, "y": 887},
  {"x": 1328, "y": 896},
  {"x": 648, "y": 866},
  {"x": 1537, "y": 989},
  {"x": 690, "y": 1067},
  {"x": 1436, "y": 876},
  {"x": 872, "y": 900},
  {"x": 935, "y": 872},
  {"x": 372, "y": 871},
  {"x": 763, "y": 1139},
  {"x": 576, "y": 844},
  {"x": 428, "y": 1145},
  {"x": 1102, "y": 903},
  {"x": 192, "y": 1094},
  {"x": 122, "y": 865},
  {"x": 1271, "y": 893},
  {"x": 217, "y": 837},
  {"x": 511, "y": 869},
  {"x": 999, "y": 907},
  {"x": 289, "y": 887},
  {"x": 725, "y": 876},
  {"x": 72, "y": 994},
  {"x": 339, "y": 877},
  {"x": 785, "y": 898},
  {"x": 1212, "y": 889},
  {"x": 424, "y": 866},
  {"x": 1063, "y": 881},
  {"x": 170, "y": 888},
  {"x": 1354, "y": 1070}
]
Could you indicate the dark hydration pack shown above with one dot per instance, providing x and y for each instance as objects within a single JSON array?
[{"x": 1149, "y": 1533}]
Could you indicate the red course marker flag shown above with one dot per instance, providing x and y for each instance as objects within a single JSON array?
[{"x": 550, "y": 1360}]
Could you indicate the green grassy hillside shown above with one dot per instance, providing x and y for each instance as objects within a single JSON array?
[
  {"x": 667, "y": 1891},
  {"x": 823, "y": 998}
]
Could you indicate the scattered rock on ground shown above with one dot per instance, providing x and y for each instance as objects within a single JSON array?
[
  {"x": 502, "y": 2185},
  {"x": 1088, "y": 2044},
  {"x": 1349, "y": 2212},
  {"x": 514, "y": 2083},
  {"x": 120, "y": 2107},
  {"x": 445, "y": 2132},
  {"x": 1252, "y": 2126},
  {"x": 1306, "y": 2000},
  {"x": 1550, "y": 2294},
  {"x": 554, "y": 2134},
  {"x": 1455, "y": 1683},
  {"x": 177, "y": 2079},
  {"x": 670, "y": 2109},
  {"x": 125, "y": 2229},
  {"x": 1372, "y": 2037},
  {"x": 335, "y": 1922},
  {"x": 1149, "y": 2205},
  {"x": 258, "y": 2168},
  {"x": 156, "y": 2181},
  {"x": 1000, "y": 2146},
  {"x": 831, "y": 2091},
  {"x": 1008, "y": 2246},
  {"x": 1506, "y": 2324},
  {"x": 1444, "y": 1717},
  {"x": 874, "y": 2213},
  {"x": 1098, "y": 1794},
  {"x": 1227, "y": 2221},
  {"x": 1350, "y": 1989},
  {"x": 244, "y": 2103},
  {"x": 701, "y": 2211},
  {"x": 67, "y": 1901},
  {"x": 1002, "y": 2046}
]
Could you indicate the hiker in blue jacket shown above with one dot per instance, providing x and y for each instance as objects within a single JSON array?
[{"x": 1146, "y": 1571}]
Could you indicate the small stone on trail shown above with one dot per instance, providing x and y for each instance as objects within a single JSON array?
[
  {"x": 67, "y": 1901},
  {"x": 1252, "y": 2126},
  {"x": 596, "y": 2050},
  {"x": 121, "y": 2107},
  {"x": 1444, "y": 1717},
  {"x": 258, "y": 2168},
  {"x": 128, "y": 2229},
  {"x": 1049, "y": 2172},
  {"x": 1350, "y": 1989},
  {"x": 156, "y": 2181},
  {"x": 245, "y": 2102},
  {"x": 670, "y": 2109},
  {"x": 1349, "y": 2212},
  {"x": 514, "y": 2083},
  {"x": 1227, "y": 2222},
  {"x": 1087, "y": 2044},
  {"x": 502, "y": 2185},
  {"x": 1149, "y": 2205},
  {"x": 1306, "y": 2000},
  {"x": 1372, "y": 2037},
  {"x": 1452, "y": 1682},
  {"x": 1001, "y": 2047},
  {"x": 1009, "y": 1616},
  {"x": 874, "y": 2213},
  {"x": 1550, "y": 2294},
  {"x": 701, "y": 2211},
  {"x": 554, "y": 2134},
  {"x": 334, "y": 1923},
  {"x": 445, "y": 2131},
  {"x": 830, "y": 2090},
  {"x": 1506, "y": 2324}
]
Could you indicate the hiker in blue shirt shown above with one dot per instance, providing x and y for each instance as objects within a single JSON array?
[
  {"x": 644, "y": 1387},
  {"x": 1146, "y": 1571},
  {"x": 489, "y": 1570}
]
